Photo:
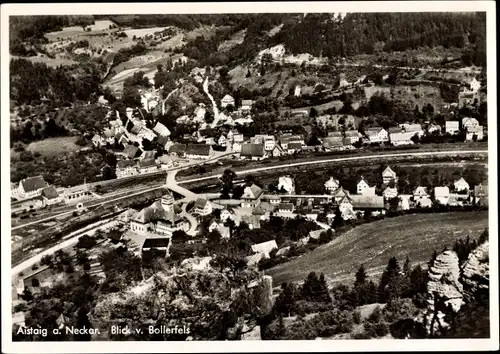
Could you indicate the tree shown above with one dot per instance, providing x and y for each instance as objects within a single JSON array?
[
  {"x": 227, "y": 181},
  {"x": 285, "y": 302},
  {"x": 86, "y": 241},
  {"x": 313, "y": 112},
  {"x": 315, "y": 289},
  {"x": 390, "y": 286}
]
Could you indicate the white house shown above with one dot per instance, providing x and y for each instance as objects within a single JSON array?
[
  {"x": 420, "y": 193},
  {"x": 377, "y": 135},
  {"x": 226, "y": 101},
  {"x": 398, "y": 139},
  {"x": 265, "y": 248},
  {"x": 469, "y": 123},
  {"x": 277, "y": 151},
  {"x": 362, "y": 186},
  {"x": 251, "y": 196},
  {"x": 226, "y": 215},
  {"x": 165, "y": 162},
  {"x": 126, "y": 168},
  {"x": 246, "y": 105},
  {"x": 474, "y": 133},
  {"x": 414, "y": 129},
  {"x": 461, "y": 185},
  {"x": 441, "y": 195},
  {"x": 147, "y": 166},
  {"x": 222, "y": 141},
  {"x": 269, "y": 143},
  {"x": 202, "y": 207},
  {"x": 161, "y": 130},
  {"x": 199, "y": 114},
  {"x": 297, "y": 91},
  {"x": 404, "y": 202},
  {"x": 352, "y": 136},
  {"x": 331, "y": 185},
  {"x": 287, "y": 183},
  {"x": 474, "y": 85},
  {"x": 31, "y": 187},
  {"x": 98, "y": 140},
  {"x": 452, "y": 127},
  {"x": 51, "y": 196},
  {"x": 390, "y": 193},
  {"x": 388, "y": 175}
]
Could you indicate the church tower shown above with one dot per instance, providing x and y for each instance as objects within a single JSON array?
[{"x": 167, "y": 202}]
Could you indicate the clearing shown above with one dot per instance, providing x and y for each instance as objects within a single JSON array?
[
  {"x": 54, "y": 146},
  {"x": 416, "y": 236}
]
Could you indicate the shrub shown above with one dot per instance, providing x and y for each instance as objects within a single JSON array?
[
  {"x": 356, "y": 317},
  {"x": 376, "y": 315}
]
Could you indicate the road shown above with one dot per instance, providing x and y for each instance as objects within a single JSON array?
[
  {"x": 340, "y": 159},
  {"x": 214, "y": 105}
]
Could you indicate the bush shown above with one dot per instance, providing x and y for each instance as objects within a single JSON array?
[
  {"x": 356, "y": 317},
  {"x": 375, "y": 330},
  {"x": 86, "y": 241}
]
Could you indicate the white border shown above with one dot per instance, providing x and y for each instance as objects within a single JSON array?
[{"x": 279, "y": 346}]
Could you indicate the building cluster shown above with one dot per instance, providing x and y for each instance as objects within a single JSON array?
[{"x": 34, "y": 193}]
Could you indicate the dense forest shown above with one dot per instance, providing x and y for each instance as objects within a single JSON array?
[{"x": 367, "y": 33}]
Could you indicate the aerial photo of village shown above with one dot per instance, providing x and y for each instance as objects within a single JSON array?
[{"x": 249, "y": 176}]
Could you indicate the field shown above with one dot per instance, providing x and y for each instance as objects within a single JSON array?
[
  {"x": 416, "y": 236},
  {"x": 142, "y": 32},
  {"x": 54, "y": 146}
]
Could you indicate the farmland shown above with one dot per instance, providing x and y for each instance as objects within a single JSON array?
[
  {"x": 416, "y": 236},
  {"x": 54, "y": 146}
]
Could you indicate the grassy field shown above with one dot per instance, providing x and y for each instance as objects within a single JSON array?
[
  {"x": 416, "y": 236},
  {"x": 54, "y": 146}
]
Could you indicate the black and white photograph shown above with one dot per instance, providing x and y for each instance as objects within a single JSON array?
[{"x": 221, "y": 172}]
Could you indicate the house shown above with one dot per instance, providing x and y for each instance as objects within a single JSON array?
[
  {"x": 395, "y": 130},
  {"x": 346, "y": 208},
  {"x": 77, "y": 194},
  {"x": 434, "y": 128},
  {"x": 469, "y": 123},
  {"x": 420, "y": 193},
  {"x": 147, "y": 166},
  {"x": 461, "y": 185},
  {"x": 226, "y": 215},
  {"x": 246, "y": 105},
  {"x": 390, "y": 193},
  {"x": 286, "y": 139},
  {"x": 114, "y": 236},
  {"x": 131, "y": 151},
  {"x": 287, "y": 183},
  {"x": 199, "y": 114},
  {"x": 269, "y": 143},
  {"x": 333, "y": 143},
  {"x": 253, "y": 221},
  {"x": 98, "y": 140},
  {"x": 31, "y": 187},
  {"x": 161, "y": 130},
  {"x": 199, "y": 151},
  {"x": 376, "y": 135},
  {"x": 251, "y": 196},
  {"x": 294, "y": 147},
  {"x": 253, "y": 151},
  {"x": 362, "y": 185},
  {"x": 424, "y": 203},
  {"x": 273, "y": 199},
  {"x": 404, "y": 202},
  {"x": 51, "y": 196},
  {"x": 474, "y": 133},
  {"x": 352, "y": 136},
  {"x": 481, "y": 194},
  {"x": 202, "y": 207},
  {"x": 226, "y": 101},
  {"x": 222, "y": 141},
  {"x": 452, "y": 127},
  {"x": 388, "y": 176},
  {"x": 147, "y": 155},
  {"x": 398, "y": 139},
  {"x": 159, "y": 243},
  {"x": 215, "y": 224},
  {"x": 285, "y": 207},
  {"x": 178, "y": 150},
  {"x": 109, "y": 136},
  {"x": 441, "y": 195},
  {"x": 335, "y": 134},
  {"x": 265, "y": 248},
  {"x": 122, "y": 139},
  {"x": 126, "y": 168},
  {"x": 414, "y": 129},
  {"x": 165, "y": 162},
  {"x": 331, "y": 185},
  {"x": 277, "y": 151},
  {"x": 373, "y": 204}
]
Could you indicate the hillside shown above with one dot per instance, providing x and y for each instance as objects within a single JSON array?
[{"x": 416, "y": 236}]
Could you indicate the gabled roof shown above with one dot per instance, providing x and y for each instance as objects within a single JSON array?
[
  {"x": 50, "y": 192},
  {"x": 136, "y": 128},
  {"x": 227, "y": 98},
  {"x": 161, "y": 130},
  {"x": 252, "y": 192},
  {"x": 285, "y": 206},
  {"x": 109, "y": 133},
  {"x": 373, "y": 130},
  {"x": 162, "y": 140},
  {"x": 246, "y": 102},
  {"x": 31, "y": 184},
  {"x": 147, "y": 163},
  {"x": 178, "y": 148},
  {"x": 441, "y": 192},
  {"x": 125, "y": 163},
  {"x": 461, "y": 180},
  {"x": 256, "y": 150},
  {"x": 200, "y": 203},
  {"x": 388, "y": 172},
  {"x": 420, "y": 189},
  {"x": 198, "y": 149},
  {"x": 367, "y": 201},
  {"x": 452, "y": 123},
  {"x": 258, "y": 210},
  {"x": 351, "y": 133},
  {"x": 146, "y": 155},
  {"x": 130, "y": 151},
  {"x": 165, "y": 159},
  {"x": 295, "y": 146},
  {"x": 413, "y": 128},
  {"x": 333, "y": 141},
  {"x": 332, "y": 182},
  {"x": 335, "y": 134}
]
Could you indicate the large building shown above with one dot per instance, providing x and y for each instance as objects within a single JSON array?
[{"x": 31, "y": 187}]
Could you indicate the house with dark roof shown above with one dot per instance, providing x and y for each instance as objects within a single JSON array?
[
  {"x": 163, "y": 141},
  {"x": 253, "y": 151},
  {"x": 126, "y": 168},
  {"x": 178, "y": 150},
  {"x": 31, "y": 187},
  {"x": 373, "y": 204},
  {"x": 294, "y": 147},
  {"x": 131, "y": 151},
  {"x": 51, "y": 196},
  {"x": 147, "y": 166},
  {"x": 333, "y": 143},
  {"x": 159, "y": 244},
  {"x": 199, "y": 151},
  {"x": 351, "y": 136},
  {"x": 285, "y": 208},
  {"x": 202, "y": 207},
  {"x": 481, "y": 194}
]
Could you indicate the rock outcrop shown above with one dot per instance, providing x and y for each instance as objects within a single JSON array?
[{"x": 476, "y": 270}]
